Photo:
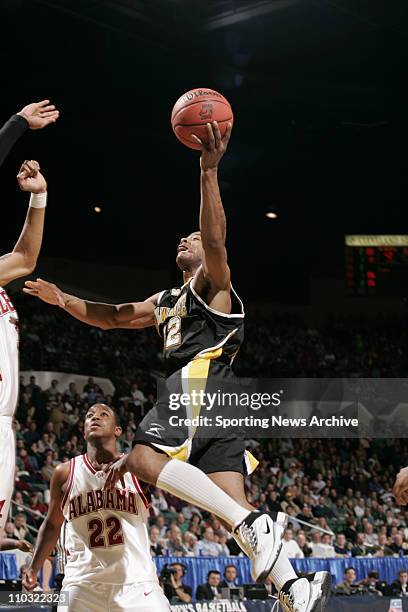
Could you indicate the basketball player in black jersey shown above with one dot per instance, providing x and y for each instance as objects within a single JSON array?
[{"x": 201, "y": 324}]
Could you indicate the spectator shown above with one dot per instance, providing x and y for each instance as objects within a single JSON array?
[
  {"x": 348, "y": 587},
  {"x": 373, "y": 586},
  {"x": 360, "y": 549},
  {"x": 290, "y": 546},
  {"x": 161, "y": 526},
  {"x": 340, "y": 547},
  {"x": 304, "y": 544},
  {"x": 175, "y": 589},
  {"x": 230, "y": 576},
  {"x": 156, "y": 549},
  {"x": 52, "y": 392},
  {"x": 211, "y": 589},
  {"x": 323, "y": 547},
  {"x": 48, "y": 467},
  {"x": 190, "y": 542},
  {"x": 399, "y": 587},
  {"x": 383, "y": 549},
  {"x": 21, "y": 530},
  {"x": 398, "y": 547},
  {"x": 174, "y": 542},
  {"x": 208, "y": 547}
]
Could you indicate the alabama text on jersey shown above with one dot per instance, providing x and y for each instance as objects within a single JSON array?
[{"x": 106, "y": 538}]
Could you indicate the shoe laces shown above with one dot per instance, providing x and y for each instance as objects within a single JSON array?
[
  {"x": 287, "y": 601},
  {"x": 277, "y": 607},
  {"x": 250, "y": 538}
]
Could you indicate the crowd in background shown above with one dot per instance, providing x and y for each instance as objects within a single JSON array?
[{"x": 274, "y": 346}]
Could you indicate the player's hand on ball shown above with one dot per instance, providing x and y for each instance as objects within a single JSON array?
[
  {"x": 212, "y": 151},
  {"x": 116, "y": 472},
  {"x": 30, "y": 178},
  {"x": 400, "y": 490},
  {"x": 39, "y": 114},
  {"x": 29, "y": 580},
  {"x": 47, "y": 292},
  {"x": 24, "y": 546}
]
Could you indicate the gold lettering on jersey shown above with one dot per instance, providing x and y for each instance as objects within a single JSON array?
[
  {"x": 162, "y": 313},
  {"x": 92, "y": 501}
]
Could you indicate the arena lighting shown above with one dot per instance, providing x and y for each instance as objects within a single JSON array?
[
  {"x": 251, "y": 10},
  {"x": 271, "y": 215}
]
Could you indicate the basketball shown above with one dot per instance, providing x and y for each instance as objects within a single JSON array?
[{"x": 194, "y": 109}]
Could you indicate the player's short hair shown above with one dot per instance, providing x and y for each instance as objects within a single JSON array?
[
  {"x": 214, "y": 571},
  {"x": 115, "y": 414}
]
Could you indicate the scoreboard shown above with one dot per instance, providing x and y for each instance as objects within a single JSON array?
[{"x": 377, "y": 265}]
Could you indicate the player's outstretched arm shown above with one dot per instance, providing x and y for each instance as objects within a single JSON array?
[
  {"x": 50, "y": 529},
  {"x": 34, "y": 116},
  {"x": 23, "y": 259},
  {"x": 10, "y": 544},
  {"x": 135, "y": 315},
  {"x": 212, "y": 216}
]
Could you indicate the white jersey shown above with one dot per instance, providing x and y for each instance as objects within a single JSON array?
[
  {"x": 9, "y": 338},
  {"x": 106, "y": 537}
]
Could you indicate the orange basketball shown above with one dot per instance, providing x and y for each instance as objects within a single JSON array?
[{"x": 194, "y": 109}]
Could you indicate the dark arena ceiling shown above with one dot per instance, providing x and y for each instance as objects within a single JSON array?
[{"x": 319, "y": 92}]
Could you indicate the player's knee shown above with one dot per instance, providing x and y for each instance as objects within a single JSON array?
[{"x": 147, "y": 463}]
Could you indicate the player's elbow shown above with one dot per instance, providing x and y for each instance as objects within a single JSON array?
[
  {"x": 107, "y": 324},
  {"x": 30, "y": 266}
]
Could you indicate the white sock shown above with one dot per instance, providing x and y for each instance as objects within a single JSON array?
[
  {"x": 192, "y": 485},
  {"x": 282, "y": 571}
]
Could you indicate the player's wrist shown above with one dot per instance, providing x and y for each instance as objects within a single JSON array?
[
  {"x": 209, "y": 171},
  {"x": 38, "y": 200}
]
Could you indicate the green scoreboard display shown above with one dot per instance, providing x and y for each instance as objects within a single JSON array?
[{"x": 377, "y": 265}]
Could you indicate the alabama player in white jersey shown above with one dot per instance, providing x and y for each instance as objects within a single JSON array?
[
  {"x": 109, "y": 566},
  {"x": 19, "y": 262}
]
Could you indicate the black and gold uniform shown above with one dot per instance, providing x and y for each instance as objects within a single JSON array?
[{"x": 199, "y": 346}]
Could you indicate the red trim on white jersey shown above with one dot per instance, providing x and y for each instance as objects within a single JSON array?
[
  {"x": 70, "y": 481},
  {"x": 89, "y": 464},
  {"x": 139, "y": 490}
]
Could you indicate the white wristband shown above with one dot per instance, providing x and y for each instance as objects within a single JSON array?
[{"x": 38, "y": 200}]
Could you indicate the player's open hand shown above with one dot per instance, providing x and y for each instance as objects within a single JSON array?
[
  {"x": 30, "y": 178},
  {"x": 39, "y": 114},
  {"x": 29, "y": 579},
  {"x": 115, "y": 472},
  {"x": 214, "y": 149},
  {"x": 400, "y": 490},
  {"x": 47, "y": 292},
  {"x": 24, "y": 546}
]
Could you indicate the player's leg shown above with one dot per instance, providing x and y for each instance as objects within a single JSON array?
[
  {"x": 232, "y": 483},
  {"x": 300, "y": 594},
  {"x": 260, "y": 533},
  {"x": 85, "y": 597},
  {"x": 8, "y": 463},
  {"x": 139, "y": 597},
  {"x": 185, "y": 481}
]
